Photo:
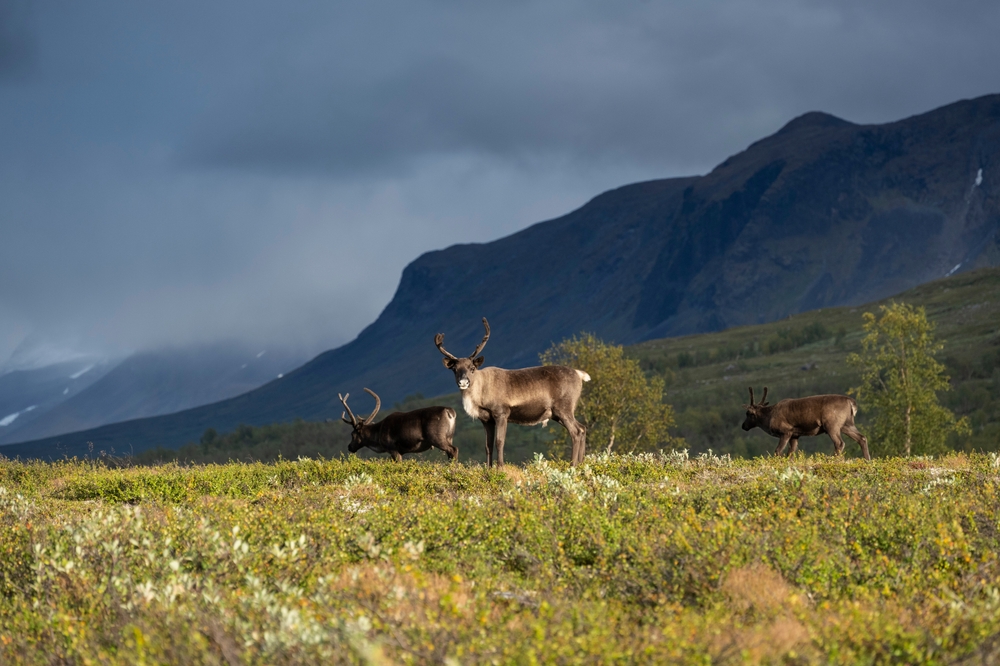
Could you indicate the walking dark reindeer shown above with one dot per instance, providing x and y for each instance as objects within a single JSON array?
[
  {"x": 792, "y": 418},
  {"x": 402, "y": 432},
  {"x": 530, "y": 396}
]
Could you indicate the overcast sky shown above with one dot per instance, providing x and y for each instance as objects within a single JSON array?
[{"x": 182, "y": 172}]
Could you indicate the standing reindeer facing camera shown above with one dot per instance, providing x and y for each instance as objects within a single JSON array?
[
  {"x": 402, "y": 432},
  {"x": 530, "y": 396}
]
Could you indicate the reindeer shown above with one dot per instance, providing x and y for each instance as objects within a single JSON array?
[
  {"x": 402, "y": 432},
  {"x": 530, "y": 396},
  {"x": 792, "y": 418}
]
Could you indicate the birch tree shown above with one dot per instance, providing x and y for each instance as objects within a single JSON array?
[
  {"x": 900, "y": 380},
  {"x": 622, "y": 410}
]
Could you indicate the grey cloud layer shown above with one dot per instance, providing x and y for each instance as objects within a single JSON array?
[
  {"x": 188, "y": 171},
  {"x": 678, "y": 84}
]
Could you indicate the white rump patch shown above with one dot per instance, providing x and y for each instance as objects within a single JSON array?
[
  {"x": 544, "y": 423},
  {"x": 583, "y": 375}
]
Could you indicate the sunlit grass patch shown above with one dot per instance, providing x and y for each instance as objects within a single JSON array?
[{"x": 649, "y": 558}]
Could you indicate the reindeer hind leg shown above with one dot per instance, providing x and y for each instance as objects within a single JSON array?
[
  {"x": 577, "y": 435},
  {"x": 838, "y": 442},
  {"x": 450, "y": 450},
  {"x": 855, "y": 434}
]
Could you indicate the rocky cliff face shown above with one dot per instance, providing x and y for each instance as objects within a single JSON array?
[{"x": 822, "y": 213}]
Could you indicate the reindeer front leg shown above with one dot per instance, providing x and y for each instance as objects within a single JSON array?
[
  {"x": 491, "y": 431},
  {"x": 501, "y": 435},
  {"x": 782, "y": 441}
]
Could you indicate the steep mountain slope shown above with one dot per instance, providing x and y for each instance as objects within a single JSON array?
[{"x": 822, "y": 213}]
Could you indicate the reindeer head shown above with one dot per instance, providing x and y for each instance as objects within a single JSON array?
[
  {"x": 359, "y": 425},
  {"x": 464, "y": 368},
  {"x": 755, "y": 411}
]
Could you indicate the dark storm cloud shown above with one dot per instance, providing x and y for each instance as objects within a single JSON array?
[
  {"x": 189, "y": 171},
  {"x": 663, "y": 84}
]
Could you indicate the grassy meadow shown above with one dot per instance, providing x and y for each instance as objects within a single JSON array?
[{"x": 654, "y": 558}]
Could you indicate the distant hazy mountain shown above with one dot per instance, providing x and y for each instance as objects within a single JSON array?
[
  {"x": 40, "y": 374},
  {"x": 144, "y": 384},
  {"x": 822, "y": 213}
]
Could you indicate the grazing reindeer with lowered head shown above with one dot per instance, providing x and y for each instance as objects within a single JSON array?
[
  {"x": 792, "y": 418},
  {"x": 526, "y": 397},
  {"x": 402, "y": 432}
]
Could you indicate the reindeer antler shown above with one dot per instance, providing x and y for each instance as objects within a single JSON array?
[
  {"x": 378, "y": 404},
  {"x": 763, "y": 400},
  {"x": 439, "y": 342},
  {"x": 354, "y": 420},
  {"x": 486, "y": 337},
  {"x": 750, "y": 388}
]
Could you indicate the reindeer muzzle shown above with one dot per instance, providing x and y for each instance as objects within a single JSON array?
[{"x": 463, "y": 383}]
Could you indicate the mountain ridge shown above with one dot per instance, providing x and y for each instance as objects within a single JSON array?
[{"x": 824, "y": 212}]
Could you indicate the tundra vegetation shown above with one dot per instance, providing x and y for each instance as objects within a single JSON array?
[{"x": 647, "y": 558}]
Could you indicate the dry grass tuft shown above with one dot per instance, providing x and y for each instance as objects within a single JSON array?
[
  {"x": 757, "y": 591},
  {"x": 764, "y": 644},
  {"x": 756, "y": 587},
  {"x": 515, "y": 474}
]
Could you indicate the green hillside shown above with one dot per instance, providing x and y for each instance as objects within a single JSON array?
[
  {"x": 707, "y": 378},
  {"x": 805, "y": 354}
]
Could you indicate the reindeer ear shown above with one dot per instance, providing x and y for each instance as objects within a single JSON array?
[
  {"x": 478, "y": 361},
  {"x": 448, "y": 362}
]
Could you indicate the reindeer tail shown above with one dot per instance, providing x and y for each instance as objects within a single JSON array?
[{"x": 583, "y": 375}]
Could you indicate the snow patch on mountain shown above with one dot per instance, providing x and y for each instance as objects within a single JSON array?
[{"x": 80, "y": 373}]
